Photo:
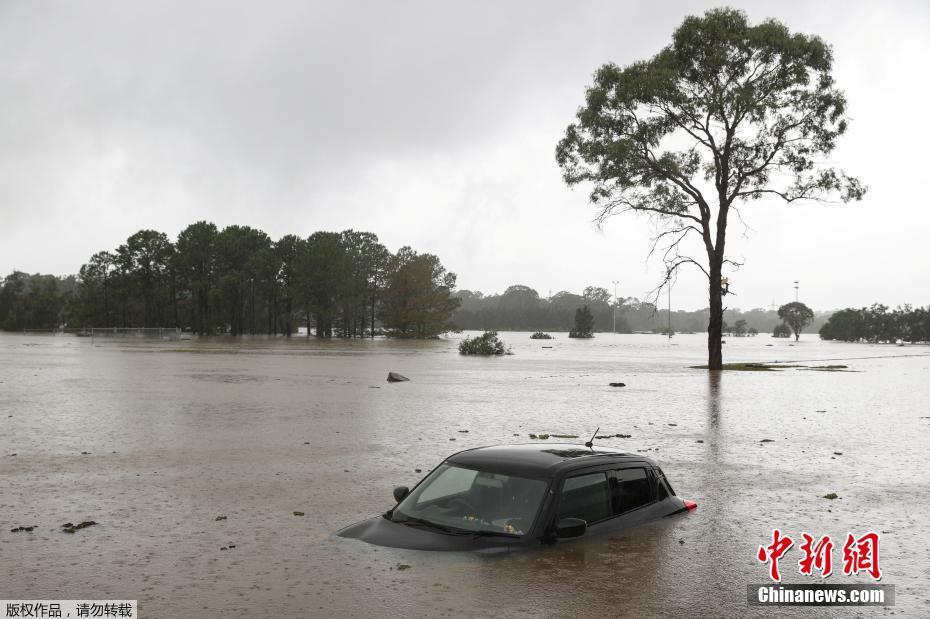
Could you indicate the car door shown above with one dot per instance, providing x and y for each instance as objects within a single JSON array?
[{"x": 584, "y": 494}]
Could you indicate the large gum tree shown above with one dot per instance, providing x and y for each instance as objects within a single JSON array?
[{"x": 728, "y": 113}]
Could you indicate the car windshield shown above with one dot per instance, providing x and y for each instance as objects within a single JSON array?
[{"x": 461, "y": 500}]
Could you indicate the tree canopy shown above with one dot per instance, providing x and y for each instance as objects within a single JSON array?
[
  {"x": 584, "y": 323},
  {"x": 797, "y": 316},
  {"x": 728, "y": 113},
  {"x": 238, "y": 280},
  {"x": 879, "y": 324}
]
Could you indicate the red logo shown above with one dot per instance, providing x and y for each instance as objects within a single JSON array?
[
  {"x": 773, "y": 552},
  {"x": 860, "y": 554},
  {"x": 817, "y": 556}
]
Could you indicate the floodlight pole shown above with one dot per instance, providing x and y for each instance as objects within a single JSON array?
[
  {"x": 615, "y": 282},
  {"x": 669, "y": 310},
  {"x": 796, "y": 286}
]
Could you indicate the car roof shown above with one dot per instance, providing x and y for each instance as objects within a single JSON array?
[{"x": 539, "y": 459}]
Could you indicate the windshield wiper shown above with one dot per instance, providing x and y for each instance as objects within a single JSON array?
[
  {"x": 411, "y": 521},
  {"x": 486, "y": 533}
]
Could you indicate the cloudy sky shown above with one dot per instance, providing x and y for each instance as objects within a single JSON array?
[{"x": 428, "y": 123}]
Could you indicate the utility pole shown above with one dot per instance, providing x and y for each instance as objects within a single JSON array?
[
  {"x": 615, "y": 282},
  {"x": 796, "y": 286}
]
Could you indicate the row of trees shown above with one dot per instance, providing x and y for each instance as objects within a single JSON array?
[
  {"x": 520, "y": 308},
  {"x": 238, "y": 280},
  {"x": 35, "y": 301},
  {"x": 879, "y": 324}
]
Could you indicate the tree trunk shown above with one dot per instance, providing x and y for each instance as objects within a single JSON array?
[{"x": 715, "y": 327}]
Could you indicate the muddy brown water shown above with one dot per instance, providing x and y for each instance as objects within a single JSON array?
[{"x": 178, "y": 433}]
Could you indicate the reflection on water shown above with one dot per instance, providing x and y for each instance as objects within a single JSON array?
[{"x": 155, "y": 440}]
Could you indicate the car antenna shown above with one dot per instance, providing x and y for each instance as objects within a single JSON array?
[{"x": 590, "y": 444}]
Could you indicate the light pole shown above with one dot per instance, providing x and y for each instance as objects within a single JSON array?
[
  {"x": 670, "y": 310},
  {"x": 796, "y": 286},
  {"x": 615, "y": 282}
]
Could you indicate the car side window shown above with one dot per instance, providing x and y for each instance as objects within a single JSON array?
[
  {"x": 453, "y": 480},
  {"x": 663, "y": 481},
  {"x": 631, "y": 490},
  {"x": 586, "y": 497},
  {"x": 661, "y": 489}
]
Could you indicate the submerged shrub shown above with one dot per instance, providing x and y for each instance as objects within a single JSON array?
[
  {"x": 486, "y": 344},
  {"x": 539, "y": 335}
]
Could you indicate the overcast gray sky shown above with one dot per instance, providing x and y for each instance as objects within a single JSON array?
[{"x": 428, "y": 123}]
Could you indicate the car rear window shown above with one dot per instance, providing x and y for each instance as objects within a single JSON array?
[
  {"x": 586, "y": 497},
  {"x": 633, "y": 489}
]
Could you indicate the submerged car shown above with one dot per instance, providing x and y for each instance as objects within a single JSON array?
[{"x": 508, "y": 497}]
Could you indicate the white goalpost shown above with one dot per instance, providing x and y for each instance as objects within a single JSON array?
[{"x": 158, "y": 333}]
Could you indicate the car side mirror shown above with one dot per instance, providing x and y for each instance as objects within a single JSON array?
[
  {"x": 570, "y": 527},
  {"x": 400, "y": 493}
]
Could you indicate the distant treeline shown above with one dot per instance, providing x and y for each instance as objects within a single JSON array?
[
  {"x": 35, "y": 301},
  {"x": 520, "y": 308},
  {"x": 878, "y": 324},
  {"x": 238, "y": 280}
]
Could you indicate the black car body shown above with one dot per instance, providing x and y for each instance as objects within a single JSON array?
[{"x": 509, "y": 497}]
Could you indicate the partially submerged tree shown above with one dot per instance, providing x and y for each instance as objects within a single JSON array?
[
  {"x": 797, "y": 316},
  {"x": 584, "y": 323},
  {"x": 728, "y": 113},
  {"x": 417, "y": 300},
  {"x": 781, "y": 330},
  {"x": 485, "y": 344}
]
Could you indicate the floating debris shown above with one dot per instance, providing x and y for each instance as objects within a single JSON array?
[
  {"x": 831, "y": 496},
  {"x": 402, "y": 566},
  {"x": 617, "y": 384},
  {"x": 767, "y": 440},
  {"x": 299, "y": 514},
  {"x": 26, "y": 529},
  {"x": 71, "y": 528},
  {"x": 218, "y": 518},
  {"x": 540, "y": 437},
  {"x": 394, "y": 377},
  {"x": 564, "y": 436}
]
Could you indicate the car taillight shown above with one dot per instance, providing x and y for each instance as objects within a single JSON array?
[{"x": 689, "y": 505}]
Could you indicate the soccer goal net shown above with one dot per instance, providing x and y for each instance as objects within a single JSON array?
[{"x": 157, "y": 333}]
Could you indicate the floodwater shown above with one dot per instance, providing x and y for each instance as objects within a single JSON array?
[{"x": 178, "y": 433}]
